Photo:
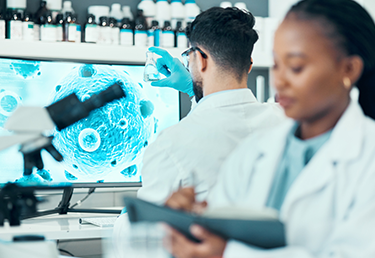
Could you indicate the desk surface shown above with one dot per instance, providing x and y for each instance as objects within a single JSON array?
[{"x": 58, "y": 227}]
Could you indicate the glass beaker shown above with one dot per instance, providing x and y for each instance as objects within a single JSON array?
[{"x": 151, "y": 73}]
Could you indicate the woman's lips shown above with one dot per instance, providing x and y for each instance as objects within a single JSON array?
[{"x": 285, "y": 102}]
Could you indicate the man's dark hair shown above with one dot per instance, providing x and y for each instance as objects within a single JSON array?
[{"x": 228, "y": 35}]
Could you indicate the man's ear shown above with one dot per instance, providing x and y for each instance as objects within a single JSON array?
[
  {"x": 251, "y": 65},
  {"x": 201, "y": 61}
]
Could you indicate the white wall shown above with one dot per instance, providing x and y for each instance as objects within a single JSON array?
[
  {"x": 278, "y": 8},
  {"x": 369, "y": 5}
]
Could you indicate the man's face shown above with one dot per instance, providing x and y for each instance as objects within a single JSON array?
[{"x": 196, "y": 76}]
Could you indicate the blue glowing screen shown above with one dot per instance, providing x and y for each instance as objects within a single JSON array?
[{"x": 105, "y": 147}]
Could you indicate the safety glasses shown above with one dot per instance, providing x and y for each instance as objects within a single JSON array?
[{"x": 186, "y": 57}]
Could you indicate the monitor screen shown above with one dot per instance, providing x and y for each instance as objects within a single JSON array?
[{"x": 104, "y": 148}]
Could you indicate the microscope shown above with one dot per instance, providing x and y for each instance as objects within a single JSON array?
[{"x": 29, "y": 126}]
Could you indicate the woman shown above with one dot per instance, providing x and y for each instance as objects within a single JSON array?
[{"x": 318, "y": 169}]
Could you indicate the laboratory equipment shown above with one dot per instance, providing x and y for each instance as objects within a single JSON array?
[
  {"x": 126, "y": 33},
  {"x": 168, "y": 36},
  {"x": 140, "y": 30},
  {"x": 91, "y": 30},
  {"x": 163, "y": 11},
  {"x": 98, "y": 11},
  {"x": 151, "y": 73},
  {"x": 149, "y": 10},
  {"x": 116, "y": 13},
  {"x": 177, "y": 13}
]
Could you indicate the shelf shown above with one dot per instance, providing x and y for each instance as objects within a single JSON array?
[{"x": 85, "y": 52}]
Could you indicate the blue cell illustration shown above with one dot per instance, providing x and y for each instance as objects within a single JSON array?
[
  {"x": 111, "y": 138},
  {"x": 69, "y": 176},
  {"x": 31, "y": 179},
  {"x": 89, "y": 139},
  {"x": 26, "y": 69},
  {"x": 129, "y": 171},
  {"x": 44, "y": 174},
  {"x": 9, "y": 101}
]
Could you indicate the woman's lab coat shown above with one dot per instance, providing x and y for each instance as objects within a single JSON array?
[{"x": 329, "y": 210}]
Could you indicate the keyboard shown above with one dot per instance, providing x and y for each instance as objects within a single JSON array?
[{"x": 104, "y": 222}]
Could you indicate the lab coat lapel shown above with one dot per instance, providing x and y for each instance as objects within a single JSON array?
[
  {"x": 343, "y": 145},
  {"x": 265, "y": 166}
]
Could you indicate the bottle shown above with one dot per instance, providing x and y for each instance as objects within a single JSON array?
[
  {"x": 78, "y": 35},
  {"x": 115, "y": 31},
  {"x": 151, "y": 73},
  {"x": 55, "y": 7},
  {"x": 2, "y": 26},
  {"x": 177, "y": 13},
  {"x": 16, "y": 5},
  {"x": 167, "y": 35},
  {"x": 67, "y": 8},
  {"x": 181, "y": 39},
  {"x": 48, "y": 29},
  {"x": 140, "y": 30},
  {"x": 69, "y": 28},
  {"x": 163, "y": 11},
  {"x": 15, "y": 26},
  {"x": 149, "y": 10},
  {"x": 126, "y": 33},
  {"x": 39, "y": 15},
  {"x": 28, "y": 27},
  {"x": 91, "y": 30},
  {"x": 98, "y": 11},
  {"x": 188, "y": 25},
  {"x": 191, "y": 10},
  {"x": 104, "y": 31},
  {"x": 127, "y": 13},
  {"x": 59, "y": 27},
  {"x": 156, "y": 34},
  {"x": 116, "y": 13},
  {"x": 153, "y": 34}
]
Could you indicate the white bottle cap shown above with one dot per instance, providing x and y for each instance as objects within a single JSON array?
[
  {"x": 127, "y": 12},
  {"x": 241, "y": 6},
  {"x": 225, "y": 4},
  {"x": 67, "y": 4},
  {"x": 116, "y": 6},
  {"x": 54, "y": 5},
  {"x": 16, "y": 4},
  {"x": 98, "y": 11}
]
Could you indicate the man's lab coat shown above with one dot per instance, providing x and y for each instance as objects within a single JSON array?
[
  {"x": 329, "y": 211},
  {"x": 200, "y": 142}
]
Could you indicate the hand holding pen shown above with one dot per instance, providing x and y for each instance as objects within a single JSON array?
[{"x": 184, "y": 198}]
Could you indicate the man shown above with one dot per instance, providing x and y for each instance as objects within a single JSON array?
[{"x": 219, "y": 61}]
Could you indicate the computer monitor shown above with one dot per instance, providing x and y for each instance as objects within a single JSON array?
[{"x": 102, "y": 150}]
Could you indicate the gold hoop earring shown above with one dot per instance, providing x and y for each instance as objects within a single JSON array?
[{"x": 347, "y": 83}]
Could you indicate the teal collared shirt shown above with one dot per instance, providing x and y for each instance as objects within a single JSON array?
[{"x": 297, "y": 155}]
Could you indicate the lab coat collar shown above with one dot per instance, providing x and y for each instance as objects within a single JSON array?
[
  {"x": 225, "y": 98},
  {"x": 347, "y": 135},
  {"x": 344, "y": 145}
]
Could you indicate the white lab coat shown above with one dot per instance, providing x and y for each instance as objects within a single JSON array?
[
  {"x": 329, "y": 210},
  {"x": 202, "y": 141}
]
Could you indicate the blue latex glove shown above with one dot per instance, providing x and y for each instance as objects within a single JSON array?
[{"x": 177, "y": 76}]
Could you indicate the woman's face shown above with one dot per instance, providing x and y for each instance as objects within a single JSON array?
[{"x": 308, "y": 71}]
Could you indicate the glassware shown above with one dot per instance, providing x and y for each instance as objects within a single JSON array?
[
  {"x": 140, "y": 240},
  {"x": 151, "y": 73}
]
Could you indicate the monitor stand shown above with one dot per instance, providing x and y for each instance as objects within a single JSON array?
[{"x": 63, "y": 207}]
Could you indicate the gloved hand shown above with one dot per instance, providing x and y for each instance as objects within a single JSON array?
[{"x": 177, "y": 76}]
